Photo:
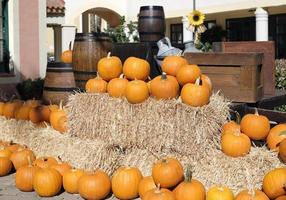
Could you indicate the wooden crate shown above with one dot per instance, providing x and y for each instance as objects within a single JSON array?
[{"x": 237, "y": 75}]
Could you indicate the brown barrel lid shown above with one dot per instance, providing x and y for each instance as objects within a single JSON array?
[{"x": 151, "y": 8}]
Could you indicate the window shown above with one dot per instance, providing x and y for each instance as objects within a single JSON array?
[
  {"x": 177, "y": 33},
  {"x": 277, "y": 33},
  {"x": 4, "y": 37},
  {"x": 241, "y": 29}
]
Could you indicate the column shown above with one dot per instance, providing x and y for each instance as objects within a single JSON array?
[
  {"x": 57, "y": 42},
  {"x": 187, "y": 34},
  {"x": 261, "y": 24},
  {"x": 68, "y": 35}
]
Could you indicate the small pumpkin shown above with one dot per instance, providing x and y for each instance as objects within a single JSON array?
[
  {"x": 247, "y": 195},
  {"x": 281, "y": 198},
  {"x": 23, "y": 112},
  {"x": 136, "y": 68},
  {"x": 232, "y": 126},
  {"x": 45, "y": 113},
  {"x": 56, "y": 115},
  {"x": 21, "y": 157},
  {"x": 45, "y": 162},
  {"x": 10, "y": 108},
  {"x": 5, "y": 166},
  {"x": 220, "y": 193},
  {"x": 190, "y": 189},
  {"x": 188, "y": 74},
  {"x": 168, "y": 172},
  {"x": 255, "y": 126},
  {"x": 159, "y": 194},
  {"x": 4, "y": 152},
  {"x": 35, "y": 115},
  {"x": 125, "y": 182},
  {"x": 13, "y": 147},
  {"x": 275, "y": 136},
  {"x": 136, "y": 91},
  {"x": 62, "y": 167},
  {"x": 94, "y": 185},
  {"x": 62, "y": 124},
  {"x": 116, "y": 87},
  {"x": 164, "y": 87},
  {"x": 207, "y": 81},
  {"x": 146, "y": 184},
  {"x": 282, "y": 150},
  {"x": 33, "y": 103},
  {"x": 274, "y": 183},
  {"x": 109, "y": 67},
  {"x": 195, "y": 94},
  {"x": 47, "y": 182},
  {"x": 172, "y": 64},
  {"x": 70, "y": 180},
  {"x": 96, "y": 85},
  {"x": 2, "y": 104},
  {"x": 66, "y": 56},
  {"x": 235, "y": 143}
]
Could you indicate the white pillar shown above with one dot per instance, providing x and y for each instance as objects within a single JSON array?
[
  {"x": 261, "y": 24},
  {"x": 187, "y": 34},
  {"x": 68, "y": 35}
]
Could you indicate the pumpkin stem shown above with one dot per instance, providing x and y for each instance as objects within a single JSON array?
[
  {"x": 70, "y": 44},
  {"x": 282, "y": 133},
  {"x": 60, "y": 159},
  {"x": 198, "y": 81},
  {"x": 61, "y": 105},
  {"x": 164, "y": 76},
  {"x": 188, "y": 175},
  {"x": 29, "y": 161},
  {"x": 109, "y": 54},
  {"x": 256, "y": 111},
  {"x": 158, "y": 187}
]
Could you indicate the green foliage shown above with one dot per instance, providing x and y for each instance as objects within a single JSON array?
[
  {"x": 281, "y": 108},
  {"x": 204, "y": 47},
  {"x": 280, "y": 74},
  {"x": 124, "y": 32},
  {"x": 31, "y": 89},
  {"x": 214, "y": 34}
]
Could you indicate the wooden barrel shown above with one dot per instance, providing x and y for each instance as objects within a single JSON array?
[
  {"x": 88, "y": 49},
  {"x": 59, "y": 83},
  {"x": 151, "y": 23}
]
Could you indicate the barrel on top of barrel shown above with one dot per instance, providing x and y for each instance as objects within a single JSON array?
[
  {"x": 88, "y": 49},
  {"x": 59, "y": 83},
  {"x": 151, "y": 23}
]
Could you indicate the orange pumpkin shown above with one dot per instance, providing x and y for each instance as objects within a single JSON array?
[
  {"x": 5, "y": 166},
  {"x": 281, "y": 198},
  {"x": 164, "y": 87},
  {"x": 35, "y": 115},
  {"x": 23, "y": 112},
  {"x": 136, "y": 91},
  {"x": 13, "y": 147},
  {"x": 274, "y": 183},
  {"x": 159, "y": 194},
  {"x": 56, "y": 115},
  {"x": 2, "y": 104},
  {"x": 10, "y": 108},
  {"x": 167, "y": 172},
  {"x": 21, "y": 157},
  {"x": 189, "y": 189},
  {"x": 220, "y": 193},
  {"x": 232, "y": 126},
  {"x": 94, "y": 186},
  {"x": 109, "y": 67},
  {"x": 275, "y": 136},
  {"x": 4, "y": 152},
  {"x": 146, "y": 184},
  {"x": 172, "y": 64},
  {"x": 62, "y": 167},
  {"x": 70, "y": 180},
  {"x": 66, "y": 56},
  {"x": 247, "y": 195},
  {"x": 207, "y": 81},
  {"x": 62, "y": 124},
  {"x": 45, "y": 113},
  {"x": 255, "y": 126},
  {"x": 282, "y": 150},
  {"x": 136, "y": 68},
  {"x": 125, "y": 182},
  {"x": 33, "y": 103},
  {"x": 96, "y": 85},
  {"x": 195, "y": 94},
  {"x": 116, "y": 87},
  {"x": 235, "y": 143},
  {"x": 45, "y": 162},
  {"x": 188, "y": 74},
  {"x": 47, "y": 182}
]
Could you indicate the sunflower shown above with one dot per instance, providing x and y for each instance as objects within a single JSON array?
[{"x": 196, "y": 18}]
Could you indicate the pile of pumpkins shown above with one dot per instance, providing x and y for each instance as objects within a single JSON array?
[
  {"x": 37, "y": 113},
  {"x": 47, "y": 175},
  {"x": 237, "y": 135},
  {"x": 130, "y": 80}
]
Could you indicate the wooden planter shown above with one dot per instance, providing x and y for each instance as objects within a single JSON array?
[{"x": 237, "y": 75}]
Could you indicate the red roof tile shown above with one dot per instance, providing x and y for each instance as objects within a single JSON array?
[{"x": 55, "y": 6}]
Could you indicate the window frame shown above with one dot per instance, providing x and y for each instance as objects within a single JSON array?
[{"x": 178, "y": 32}]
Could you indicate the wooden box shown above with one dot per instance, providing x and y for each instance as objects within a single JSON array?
[{"x": 237, "y": 75}]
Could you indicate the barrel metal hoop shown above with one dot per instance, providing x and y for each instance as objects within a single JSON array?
[
  {"x": 151, "y": 8},
  {"x": 151, "y": 17},
  {"x": 92, "y": 40},
  {"x": 84, "y": 72},
  {"x": 54, "y": 89}
]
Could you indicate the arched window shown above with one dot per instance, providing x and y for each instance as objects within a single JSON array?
[{"x": 4, "y": 37}]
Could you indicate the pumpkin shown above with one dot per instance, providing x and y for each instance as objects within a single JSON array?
[
  {"x": 23, "y": 112},
  {"x": 255, "y": 126},
  {"x": 231, "y": 126},
  {"x": 190, "y": 189},
  {"x": 53, "y": 107},
  {"x": 136, "y": 68},
  {"x": 116, "y": 87},
  {"x": 159, "y": 194},
  {"x": 70, "y": 180},
  {"x": 235, "y": 143},
  {"x": 281, "y": 198},
  {"x": 146, "y": 184},
  {"x": 45, "y": 113},
  {"x": 14, "y": 147},
  {"x": 247, "y": 195},
  {"x": 5, "y": 166},
  {"x": 275, "y": 136},
  {"x": 109, "y": 67},
  {"x": 35, "y": 115},
  {"x": 167, "y": 172},
  {"x": 24, "y": 177},
  {"x": 136, "y": 91},
  {"x": 45, "y": 162},
  {"x": 56, "y": 115},
  {"x": 172, "y": 64},
  {"x": 33, "y": 103},
  {"x": 10, "y": 108},
  {"x": 62, "y": 167},
  {"x": 274, "y": 182},
  {"x": 207, "y": 81},
  {"x": 62, "y": 124},
  {"x": 21, "y": 157},
  {"x": 164, "y": 87},
  {"x": 4, "y": 152},
  {"x": 94, "y": 185},
  {"x": 125, "y": 182},
  {"x": 2, "y": 104},
  {"x": 47, "y": 182},
  {"x": 66, "y": 56},
  {"x": 188, "y": 74},
  {"x": 282, "y": 150},
  {"x": 220, "y": 193},
  {"x": 96, "y": 85},
  {"x": 195, "y": 94}
]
